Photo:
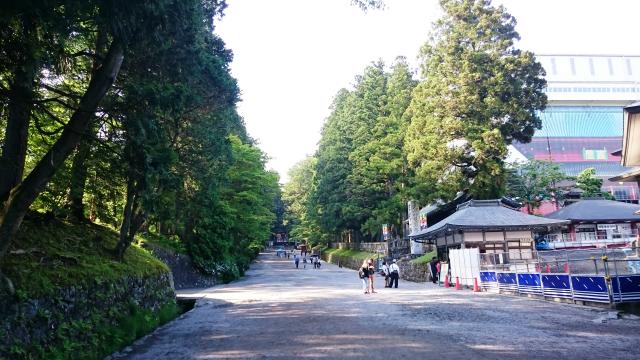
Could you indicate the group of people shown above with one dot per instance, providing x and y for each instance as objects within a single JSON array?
[
  {"x": 367, "y": 274},
  {"x": 314, "y": 260}
]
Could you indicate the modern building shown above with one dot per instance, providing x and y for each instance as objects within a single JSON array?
[
  {"x": 582, "y": 124},
  {"x": 630, "y": 151}
]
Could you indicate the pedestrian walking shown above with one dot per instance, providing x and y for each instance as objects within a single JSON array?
[
  {"x": 304, "y": 262},
  {"x": 372, "y": 275},
  {"x": 363, "y": 273},
  {"x": 296, "y": 260},
  {"x": 394, "y": 274},
  {"x": 385, "y": 273},
  {"x": 438, "y": 270}
]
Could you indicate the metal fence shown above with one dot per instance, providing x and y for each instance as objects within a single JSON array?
[
  {"x": 598, "y": 275},
  {"x": 600, "y": 238}
]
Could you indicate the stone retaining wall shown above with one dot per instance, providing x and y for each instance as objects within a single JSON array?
[
  {"x": 185, "y": 275},
  {"x": 78, "y": 313},
  {"x": 408, "y": 271},
  {"x": 413, "y": 272}
]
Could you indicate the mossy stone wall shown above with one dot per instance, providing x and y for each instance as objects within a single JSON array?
[{"x": 74, "y": 319}]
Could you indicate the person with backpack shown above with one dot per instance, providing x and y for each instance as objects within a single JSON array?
[{"x": 363, "y": 273}]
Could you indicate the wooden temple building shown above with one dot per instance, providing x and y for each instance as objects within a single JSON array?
[{"x": 490, "y": 225}]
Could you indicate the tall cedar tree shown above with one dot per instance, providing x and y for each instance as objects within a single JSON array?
[
  {"x": 479, "y": 94},
  {"x": 296, "y": 195}
]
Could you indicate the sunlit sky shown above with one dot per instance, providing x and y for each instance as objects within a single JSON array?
[{"x": 292, "y": 56}]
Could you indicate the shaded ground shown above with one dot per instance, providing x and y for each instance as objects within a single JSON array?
[{"x": 280, "y": 312}]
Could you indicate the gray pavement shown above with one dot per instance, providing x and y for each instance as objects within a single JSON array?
[{"x": 279, "y": 312}]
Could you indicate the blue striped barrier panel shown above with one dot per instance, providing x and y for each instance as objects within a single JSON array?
[
  {"x": 507, "y": 281},
  {"x": 556, "y": 285},
  {"x": 626, "y": 288},
  {"x": 590, "y": 288},
  {"x": 488, "y": 280},
  {"x": 529, "y": 284}
]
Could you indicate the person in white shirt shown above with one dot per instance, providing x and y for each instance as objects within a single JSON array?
[
  {"x": 385, "y": 272},
  {"x": 394, "y": 274}
]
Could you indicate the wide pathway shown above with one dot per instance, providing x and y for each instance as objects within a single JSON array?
[{"x": 279, "y": 312}]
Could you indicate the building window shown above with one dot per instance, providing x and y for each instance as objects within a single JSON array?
[
  {"x": 629, "y": 67},
  {"x": 553, "y": 66},
  {"x": 594, "y": 154},
  {"x": 572, "y": 62},
  {"x": 591, "y": 67}
]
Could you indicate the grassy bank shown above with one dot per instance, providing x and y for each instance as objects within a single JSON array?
[
  {"x": 72, "y": 298},
  {"x": 424, "y": 258},
  {"x": 361, "y": 255}
]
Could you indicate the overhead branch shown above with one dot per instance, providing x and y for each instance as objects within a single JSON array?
[
  {"x": 56, "y": 100},
  {"x": 60, "y": 92},
  {"x": 42, "y": 131}
]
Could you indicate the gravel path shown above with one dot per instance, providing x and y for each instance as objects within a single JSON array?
[{"x": 279, "y": 312}]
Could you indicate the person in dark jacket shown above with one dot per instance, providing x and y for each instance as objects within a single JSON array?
[{"x": 433, "y": 266}]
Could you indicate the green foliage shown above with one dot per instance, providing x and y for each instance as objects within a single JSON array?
[
  {"x": 534, "y": 181},
  {"x": 296, "y": 196},
  {"x": 361, "y": 174},
  {"x": 360, "y": 255},
  {"x": 55, "y": 254},
  {"x": 391, "y": 138},
  {"x": 167, "y": 242},
  {"x": 59, "y": 254},
  {"x": 424, "y": 259},
  {"x": 479, "y": 94},
  {"x": 590, "y": 185},
  {"x": 104, "y": 336},
  {"x": 241, "y": 215}
]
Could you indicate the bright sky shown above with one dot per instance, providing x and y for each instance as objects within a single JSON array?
[{"x": 292, "y": 56}]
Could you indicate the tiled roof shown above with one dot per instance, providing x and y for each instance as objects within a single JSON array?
[
  {"x": 486, "y": 215},
  {"x": 603, "y": 169},
  {"x": 581, "y": 121},
  {"x": 594, "y": 210}
]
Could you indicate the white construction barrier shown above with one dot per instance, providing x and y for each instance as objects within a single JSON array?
[{"x": 465, "y": 264}]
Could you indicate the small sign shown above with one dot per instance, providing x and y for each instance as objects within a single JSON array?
[
  {"x": 386, "y": 234},
  {"x": 423, "y": 220}
]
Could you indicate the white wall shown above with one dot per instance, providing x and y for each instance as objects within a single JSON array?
[
  {"x": 494, "y": 236},
  {"x": 473, "y": 237},
  {"x": 464, "y": 264}
]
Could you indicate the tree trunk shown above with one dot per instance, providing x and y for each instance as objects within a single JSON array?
[
  {"x": 126, "y": 218},
  {"x": 132, "y": 219},
  {"x": 21, "y": 96},
  {"x": 25, "y": 193},
  {"x": 75, "y": 202},
  {"x": 133, "y": 214},
  {"x": 75, "y": 196}
]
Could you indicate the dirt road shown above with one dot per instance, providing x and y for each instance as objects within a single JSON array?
[{"x": 279, "y": 312}]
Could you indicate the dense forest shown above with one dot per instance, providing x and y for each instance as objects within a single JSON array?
[
  {"x": 124, "y": 114},
  {"x": 396, "y": 135}
]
